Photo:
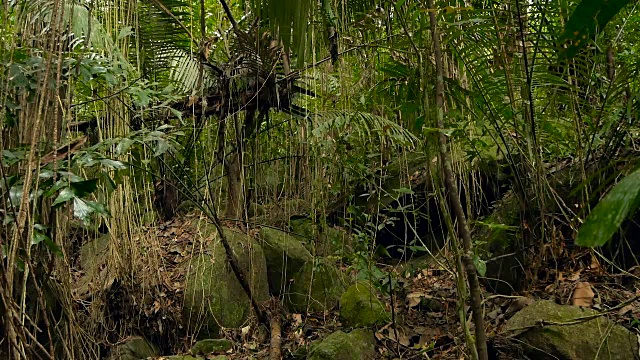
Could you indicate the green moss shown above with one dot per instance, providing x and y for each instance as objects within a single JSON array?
[
  {"x": 578, "y": 341},
  {"x": 134, "y": 348},
  {"x": 285, "y": 256},
  {"x": 359, "y": 306},
  {"x": 213, "y": 296},
  {"x": 210, "y": 346},
  {"x": 183, "y": 357},
  {"x": 326, "y": 240},
  {"x": 320, "y": 286},
  {"x": 356, "y": 345}
]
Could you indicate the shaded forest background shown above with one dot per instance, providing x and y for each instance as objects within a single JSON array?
[{"x": 380, "y": 119}]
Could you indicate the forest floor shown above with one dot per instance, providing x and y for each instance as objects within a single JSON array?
[{"x": 425, "y": 317}]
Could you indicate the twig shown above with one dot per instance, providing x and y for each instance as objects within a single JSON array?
[{"x": 393, "y": 316}]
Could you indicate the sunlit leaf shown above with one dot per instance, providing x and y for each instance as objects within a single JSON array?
[
  {"x": 81, "y": 209},
  {"x": 125, "y": 31},
  {"x": 65, "y": 195},
  {"x": 114, "y": 164},
  {"x": 124, "y": 145},
  {"x": 481, "y": 265},
  {"x": 404, "y": 191}
]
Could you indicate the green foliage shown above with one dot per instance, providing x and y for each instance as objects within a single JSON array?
[
  {"x": 588, "y": 17},
  {"x": 364, "y": 126},
  {"x": 605, "y": 219}
]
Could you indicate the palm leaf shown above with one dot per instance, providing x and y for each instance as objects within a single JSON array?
[{"x": 364, "y": 125}]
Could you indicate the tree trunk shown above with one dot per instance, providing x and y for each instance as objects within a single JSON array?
[
  {"x": 233, "y": 168},
  {"x": 452, "y": 188}
]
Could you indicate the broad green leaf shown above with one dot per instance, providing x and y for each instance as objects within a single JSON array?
[
  {"x": 176, "y": 113},
  {"x": 161, "y": 148},
  {"x": 589, "y": 16},
  {"x": 81, "y": 209},
  {"x": 611, "y": 211},
  {"x": 108, "y": 181},
  {"x": 38, "y": 237},
  {"x": 83, "y": 188},
  {"x": 65, "y": 195},
  {"x": 52, "y": 246},
  {"x": 114, "y": 164},
  {"x": 481, "y": 265},
  {"x": 404, "y": 191},
  {"x": 124, "y": 145},
  {"x": 97, "y": 208},
  {"x": 46, "y": 174}
]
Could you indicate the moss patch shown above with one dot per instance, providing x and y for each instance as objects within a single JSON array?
[
  {"x": 134, "y": 348},
  {"x": 285, "y": 256},
  {"x": 210, "y": 346},
  {"x": 320, "y": 286},
  {"x": 359, "y": 306},
  {"x": 213, "y": 296},
  {"x": 578, "y": 341},
  {"x": 356, "y": 345}
]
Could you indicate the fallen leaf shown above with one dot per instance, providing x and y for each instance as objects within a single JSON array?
[
  {"x": 574, "y": 277},
  {"x": 625, "y": 310},
  {"x": 245, "y": 330},
  {"x": 413, "y": 299},
  {"x": 582, "y": 295},
  {"x": 297, "y": 320}
]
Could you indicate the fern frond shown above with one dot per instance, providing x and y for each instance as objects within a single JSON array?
[{"x": 365, "y": 126}]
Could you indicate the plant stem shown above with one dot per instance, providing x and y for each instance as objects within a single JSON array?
[{"x": 463, "y": 228}]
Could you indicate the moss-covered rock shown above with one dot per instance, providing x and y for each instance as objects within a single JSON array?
[
  {"x": 318, "y": 284},
  {"x": 256, "y": 209},
  {"x": 325, "y": 240},
  {"x": 359, "y": 306},
  {"x": 213, "y": 297},
  {"x": 356, "y": 345},
  {"x": 134, "y": 348},
  {"x": 598, "y": 338},
  {"x": 285, "y": 256},
  {"x": 186, "y": 357},
  {"x": 211, "y": 346}
]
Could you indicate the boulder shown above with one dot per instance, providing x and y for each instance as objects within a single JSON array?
[
  {"x": 210, "y": 346},
  {"x": 134, "y": 348},
  {"x": 316, "y": 287},
  {"x": 285, "y": 256},
  {"x": 356, "y": 345},
  {"x": 328, "y": 240},
  {"x": 213, "y": 297},
  {"x": 189, "y": 357},
  {"x": 598, "y": 338},
  {"x": 359, "y": 306},
  {"x": 256, "y": 209}
]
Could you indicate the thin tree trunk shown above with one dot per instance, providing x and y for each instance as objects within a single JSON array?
[
  {"x": 275, "y": 351},
  {"x": 452, "y": 188},
  {"x": 233, "y": 168}
]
